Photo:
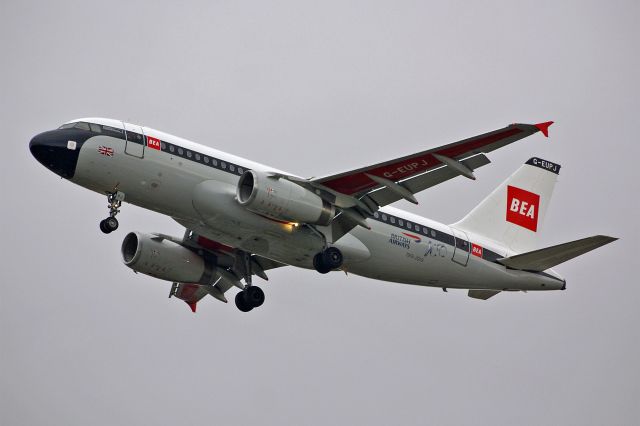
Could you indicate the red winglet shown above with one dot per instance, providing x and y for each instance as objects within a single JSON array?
[
  {"x": 544, "y": 127},
  {"x": 192, "y": 305}
]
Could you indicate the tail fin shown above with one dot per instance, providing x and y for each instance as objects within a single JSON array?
[{"x": 514, "y": 212}]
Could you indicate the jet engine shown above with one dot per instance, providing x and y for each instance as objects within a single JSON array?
[
  {"x": 162, "y": 258},
  {"x": 282, "y": 199}
]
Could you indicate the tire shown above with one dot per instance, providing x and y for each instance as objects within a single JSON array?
[
  {"x": 255, "y": 296},
  {"x": 242, "y": 302},
  {"x": 103, "y": 227},
  {"x": 318, "y": 264},
  {"x": 332, "y": 258},
  {"x": 111, "y": 223}
]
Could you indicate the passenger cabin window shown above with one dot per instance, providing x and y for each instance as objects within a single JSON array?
[{"x": 134, "y": 137}]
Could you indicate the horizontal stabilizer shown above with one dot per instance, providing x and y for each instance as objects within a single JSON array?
[
  {"x": 540, "y": 260},
  {"x": 482, "y": 294}
]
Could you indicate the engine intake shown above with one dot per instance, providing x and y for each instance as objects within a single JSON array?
[
  {"x": 282, "y": 199},
  {"x": 162, "y": 258}
]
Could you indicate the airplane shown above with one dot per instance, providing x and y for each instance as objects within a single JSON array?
[{"x": 243, "y": 218}]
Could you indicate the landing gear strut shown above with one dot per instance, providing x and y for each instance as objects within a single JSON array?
[
  {"x": 110, "y": 224},
  {"x": 328, "y": 260}
]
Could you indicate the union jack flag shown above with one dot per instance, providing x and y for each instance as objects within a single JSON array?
[{"x": 105, "y": 150}]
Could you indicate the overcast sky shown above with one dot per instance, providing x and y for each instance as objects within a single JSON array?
[{"x": 315, "y": 88}]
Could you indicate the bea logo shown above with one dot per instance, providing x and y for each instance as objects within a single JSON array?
[
  {"x": 522, "y": 208},
  {"x": 153, "y": 142}
]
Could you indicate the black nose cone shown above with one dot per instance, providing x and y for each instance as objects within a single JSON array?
[{"x": 57, "y": 150}]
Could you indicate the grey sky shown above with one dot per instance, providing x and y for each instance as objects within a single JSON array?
[{"x": 314, "y": 88}]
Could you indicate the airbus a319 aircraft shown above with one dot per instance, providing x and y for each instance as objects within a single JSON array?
[{"x": 243, "y": 218}]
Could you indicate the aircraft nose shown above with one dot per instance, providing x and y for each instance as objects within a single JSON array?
[{"x": 56, "y": 151}]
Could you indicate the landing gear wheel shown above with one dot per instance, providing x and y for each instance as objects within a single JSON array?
[
  {"x": 329, "y": 259},
  {"x": 318, "y": 264},
  {"x": 242, "y": 303},
  {"x": 249, "y": 298},
  {"x": 332, "y": 258},
  {"x": 255, "y": 296},
  {"x": 109, "y": 225}
]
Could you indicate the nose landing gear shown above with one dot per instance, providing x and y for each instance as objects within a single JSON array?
[{"x": 110, "y": 224}]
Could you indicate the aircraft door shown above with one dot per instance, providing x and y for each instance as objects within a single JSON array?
[
  {"x": 135, "y": 140},
  {"x": 461, "y": 247}
]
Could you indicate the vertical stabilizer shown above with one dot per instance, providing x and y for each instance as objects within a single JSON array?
[{"x": 513, "y": 213}]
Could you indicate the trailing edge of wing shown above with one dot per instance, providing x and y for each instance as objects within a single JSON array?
[{"x": 540, "y": 260}]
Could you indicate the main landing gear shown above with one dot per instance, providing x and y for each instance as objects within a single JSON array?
[
  {"x": 252, "y": 296},
  {"x": 249, "y": 298},
  {"x": 110, "y": 224},
  {"x": 328, "y": 260}
]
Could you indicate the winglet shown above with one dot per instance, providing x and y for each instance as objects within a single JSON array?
[
  {"x": 192, "y": 305},
  {"x": 544, "y": 127}
]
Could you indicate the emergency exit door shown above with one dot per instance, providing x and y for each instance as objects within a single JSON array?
[{"x": 135, "y": 140}]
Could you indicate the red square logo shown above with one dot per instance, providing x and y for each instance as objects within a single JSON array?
[
  {"x": 476, "y": 250},
  {"x": 153, "y": 142},
  {"x": 522, "y": 208}
]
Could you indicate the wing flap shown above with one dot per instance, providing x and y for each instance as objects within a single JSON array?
[
  {"x": 384, "y": 196},
  {"x": 543, "y": 259}
]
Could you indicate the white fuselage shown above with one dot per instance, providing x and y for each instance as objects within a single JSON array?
[{"x": 196, "y": 185}]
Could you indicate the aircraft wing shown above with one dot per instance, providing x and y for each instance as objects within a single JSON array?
[
  {"x": 360, "y": 192},
  {"x": 363, "y": 180}
]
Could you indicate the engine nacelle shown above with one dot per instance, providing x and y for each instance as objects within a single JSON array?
[
  {"x": 282, "y": 199},
  {"x": 162, "y": 258}
]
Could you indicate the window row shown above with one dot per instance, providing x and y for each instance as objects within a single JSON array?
[
  {"x": 200, "y": 158},
  {"x": 166, "y": 147},
  {"x": 405, "y": 224}
]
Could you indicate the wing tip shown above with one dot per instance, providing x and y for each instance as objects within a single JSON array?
[{"x": 544, "y": 127}]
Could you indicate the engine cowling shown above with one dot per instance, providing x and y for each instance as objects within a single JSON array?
[
  {"x": 282, "y": 199},
  {"x": 162, "y": 258}
]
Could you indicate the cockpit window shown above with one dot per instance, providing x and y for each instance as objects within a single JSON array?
[
  {"x": 77, "y": 125},
  {"x": 96, "y": 128}
]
